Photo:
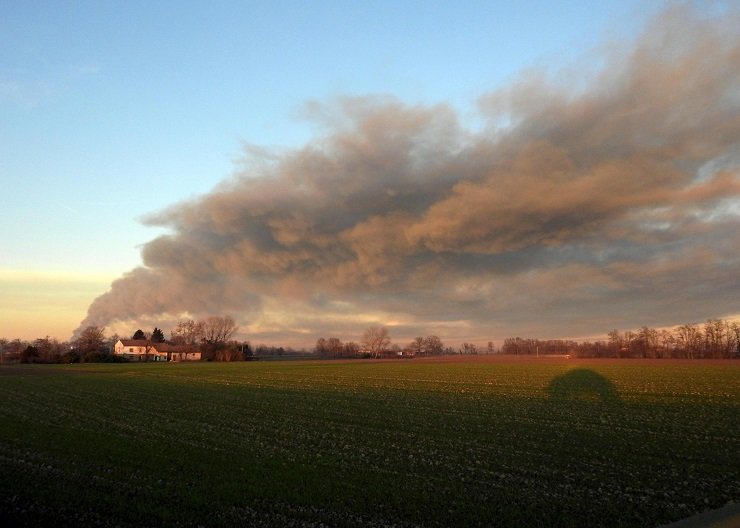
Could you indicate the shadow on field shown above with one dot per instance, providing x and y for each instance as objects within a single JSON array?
[{"x": 583, "y": 385}]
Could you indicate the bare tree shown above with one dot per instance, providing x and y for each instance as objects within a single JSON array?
[
  {"x": 615, "y": 342},
  {"x": 719, "y": 335},
  {"x": 688, "y": 340},
  {"x": 218, "y": 330},
  {"x": 215, "y": 334},
  {"x": 49, "y": 349},
  {"x": 716, "y": 333},
  {"x": 91, "y": 339},
  {"x": 334, "y": 347},
  {"x": 331, "y": 347},
  {"x": 417, "y": 346},
  {"x": 647, "y": 340},
  {"x": 10, "y": 351},
  {"x": 666, "y": 343},
  {"x": 187, "y": 332},
  {"x": 351, "y": 349},
  {"x": 375, "y": 341},
  {"x": 230, "y": 352},
  {"x": 628, "y": 343},
  {"x": 735, "y": 332},
  {"x": 433, "y": 346}
]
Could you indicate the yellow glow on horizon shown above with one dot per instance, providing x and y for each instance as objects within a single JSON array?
[
  {"x": 57, "y": 276},
  {"x": 277, "y": 316},
  {"x": 37, "y": 303}
]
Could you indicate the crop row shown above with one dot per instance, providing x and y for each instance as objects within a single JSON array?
[{"x": 364, "y": 443}]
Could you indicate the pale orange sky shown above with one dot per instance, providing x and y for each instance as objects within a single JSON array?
[{"x": 36, "y": 304}]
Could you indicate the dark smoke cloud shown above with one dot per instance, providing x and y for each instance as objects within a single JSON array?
[{"x": 610, "y": 203}]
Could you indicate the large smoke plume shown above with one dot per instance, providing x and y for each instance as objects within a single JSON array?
[{"x": 609, "y": 202}]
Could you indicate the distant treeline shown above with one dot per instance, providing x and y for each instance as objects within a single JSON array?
[
  {"x": 50, "y": 350},
  {"x": 372, "y": 345},
  {"x": 715, "y": 339}
]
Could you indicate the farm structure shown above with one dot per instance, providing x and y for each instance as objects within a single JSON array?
[{"x": 145, "y": 350}]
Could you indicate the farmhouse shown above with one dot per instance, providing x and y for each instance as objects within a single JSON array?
[{"x": 145, "y": 350}]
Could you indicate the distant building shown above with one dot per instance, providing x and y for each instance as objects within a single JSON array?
[
  {"x": 144, "y": 350},
  {"x": 183, "y": 353}
]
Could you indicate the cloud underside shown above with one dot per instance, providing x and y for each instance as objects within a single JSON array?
[{"x": 573, "y": 211}]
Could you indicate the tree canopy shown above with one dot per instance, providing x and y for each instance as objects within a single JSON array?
[
  {"x": 218, "y": 330},
  {"x": 375, "y": 340},
  {"x": 91, "y": 339},
  {"x": 157, "y": 335}
]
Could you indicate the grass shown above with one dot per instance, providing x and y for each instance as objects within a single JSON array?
[{"x": 504, "y": 443}]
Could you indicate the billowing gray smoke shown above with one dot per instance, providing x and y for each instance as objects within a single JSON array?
[{"x": 609, "y": 205}]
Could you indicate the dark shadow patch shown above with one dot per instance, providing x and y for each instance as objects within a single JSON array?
[{"x": 583, "y": 385}]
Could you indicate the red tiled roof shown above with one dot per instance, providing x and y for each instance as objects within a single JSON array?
[{"x": 134, "y": 342}]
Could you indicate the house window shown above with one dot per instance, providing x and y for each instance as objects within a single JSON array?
[{"x": 131, "y": 350}]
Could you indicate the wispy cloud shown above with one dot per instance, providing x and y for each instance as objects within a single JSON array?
[
  {"x": 590, "y": 210},
  {"x": 30, "y": 89},
  {"x": 27, "y": 94}
]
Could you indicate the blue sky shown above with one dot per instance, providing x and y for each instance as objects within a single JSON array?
[{"x": 110, "y": 111}]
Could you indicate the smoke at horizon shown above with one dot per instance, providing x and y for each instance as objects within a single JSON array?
[{"x": 611, "y": 206}]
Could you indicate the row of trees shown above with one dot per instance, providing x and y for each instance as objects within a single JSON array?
[
  {"x": 715, "y": 339},
  {"x": 91, "y": 346},
  {"x": 213, "y": 331},
  {"x": 213, "y": 337},
  {"x": 376, "y": 343}
]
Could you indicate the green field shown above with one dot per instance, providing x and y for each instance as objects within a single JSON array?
[{"x": 368, "y": 443}]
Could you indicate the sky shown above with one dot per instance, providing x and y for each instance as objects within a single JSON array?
[{"x": 474, "y": 171}]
